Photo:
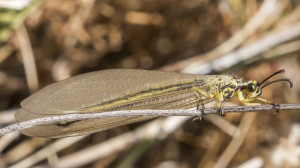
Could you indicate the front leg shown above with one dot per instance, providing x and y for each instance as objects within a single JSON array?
[
  {"x": 264, "y": 100},
  {"x": 268, "y": 102},
  {"x": 248, "y": 101}
]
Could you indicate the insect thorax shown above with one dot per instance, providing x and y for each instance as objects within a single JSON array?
[{"x": 229, "y": 89}]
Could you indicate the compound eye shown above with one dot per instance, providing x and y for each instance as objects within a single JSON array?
[{"x": 251, "y": 87}]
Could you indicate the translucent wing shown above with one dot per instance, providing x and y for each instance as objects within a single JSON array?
[{"x": 92, "y": 89}]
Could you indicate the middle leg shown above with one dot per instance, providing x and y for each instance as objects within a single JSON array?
[{"x": 199, "y": 100}]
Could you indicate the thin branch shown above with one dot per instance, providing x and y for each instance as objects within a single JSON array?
[
  {"x": 28, "y": 58},
  {"x": 235, "y": 144},
  {"x": 246, "y": 52},
  {"x": 138, "y": 113}
]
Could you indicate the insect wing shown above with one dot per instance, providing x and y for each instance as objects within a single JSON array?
[{"x": 136, "y": 89}]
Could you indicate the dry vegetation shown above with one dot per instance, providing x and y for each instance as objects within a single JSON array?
[{"x": 252, "y": 39}]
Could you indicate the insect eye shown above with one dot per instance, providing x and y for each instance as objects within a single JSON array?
[{"x": 251, "y": 87}]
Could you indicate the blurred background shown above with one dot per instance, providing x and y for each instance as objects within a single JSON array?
[{"x": 45, "y": 41}]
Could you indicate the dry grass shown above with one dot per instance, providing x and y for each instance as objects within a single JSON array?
[{"x": 64, "y": 38}]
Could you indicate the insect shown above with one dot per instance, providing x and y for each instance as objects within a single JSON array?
[{"x": 120, "y": 89}]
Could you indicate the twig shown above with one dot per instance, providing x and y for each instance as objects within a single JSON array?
[
  {"x": 245, "y": 53},
  {"x": 267, "y": 9},
  {"x": 138, "y": 113},
  {"x": 8, "y": 139},
  {"x": 7, "y": 116},
  {"x": 28, "y": 58},
  {"x": 157, "y": 129},
  {"x": 223, "y": 124},
  {"x": 47, "y": 151},
  {"x": 235, "y": 144}
]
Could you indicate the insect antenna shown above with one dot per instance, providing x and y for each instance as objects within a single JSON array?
[
  {"x": 279, "y": 80},
  {"x": 282, "y": 71}
]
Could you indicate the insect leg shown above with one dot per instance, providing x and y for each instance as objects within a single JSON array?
[
  {"x": 220, "y": 98},
  {"x": 202, "y": 110},
  {"x": 199, "y": 93},
  {"x": 268, "y": 102},
  {"x": 248, "y": 101},
  {"x": 264, "y": 100}
]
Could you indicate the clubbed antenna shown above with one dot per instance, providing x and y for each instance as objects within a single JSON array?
[
  {"x": 279, "y": 80},
  {"x": 282, "y": 71}
]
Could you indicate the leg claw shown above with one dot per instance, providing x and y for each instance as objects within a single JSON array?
[
  {"x": 277, "y": 107},
  {"x": 221, "y": 112},
  {"x": 202, "y": 111}
]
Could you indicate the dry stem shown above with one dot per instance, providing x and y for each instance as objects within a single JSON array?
[{"x": 137, "y": 113}]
